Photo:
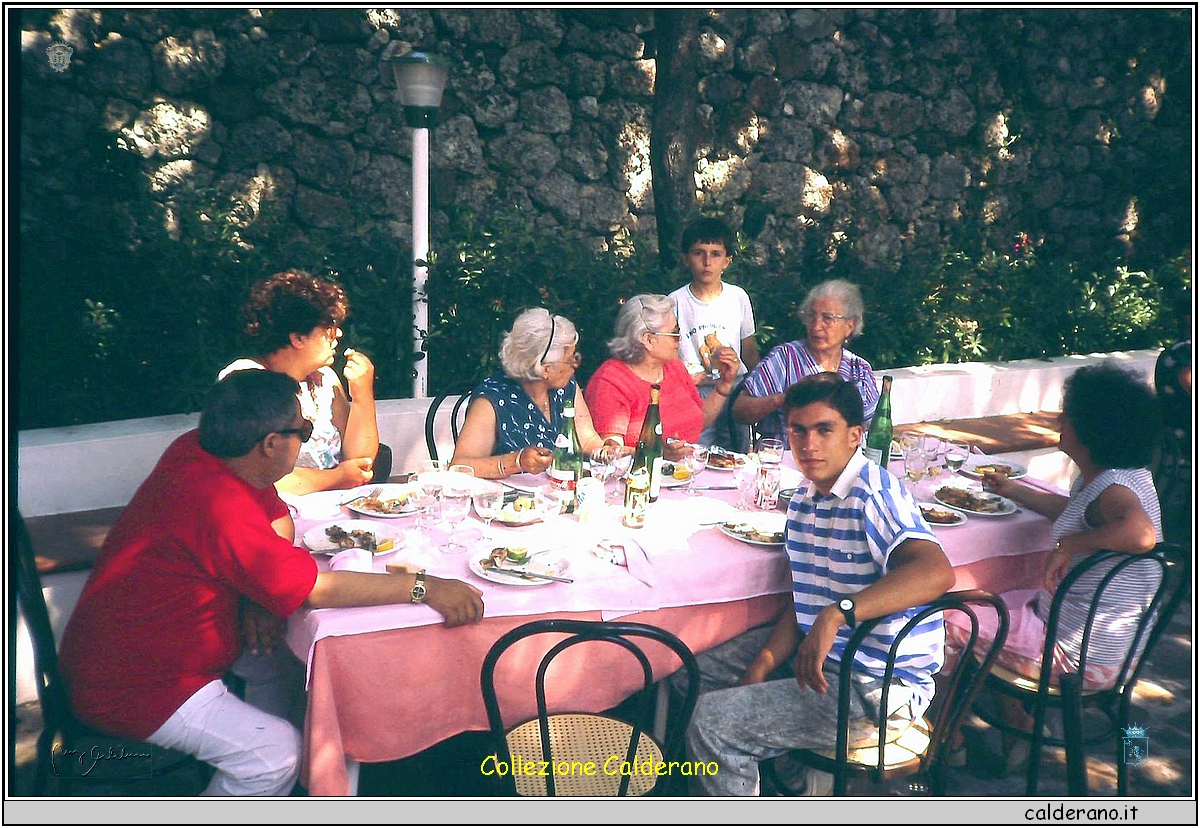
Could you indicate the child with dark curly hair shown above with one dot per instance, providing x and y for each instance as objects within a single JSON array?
[{"x": 294, "y": 321}]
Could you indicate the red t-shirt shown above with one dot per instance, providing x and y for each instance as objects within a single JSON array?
[
  {"x": 157, "y": 619},
  {"x": 618, "y": 399}
]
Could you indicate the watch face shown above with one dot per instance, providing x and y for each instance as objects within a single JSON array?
[
  {"x": 845, "y": 605},
  {"x": 418, "y": 592}
]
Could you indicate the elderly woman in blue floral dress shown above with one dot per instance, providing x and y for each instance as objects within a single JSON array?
[{"x": 514, "y": 416}]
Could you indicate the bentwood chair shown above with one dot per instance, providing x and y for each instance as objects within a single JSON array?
[
  {"x": 567, "y": 741},
  {"x": 1168, "y": 565},
  {"x": 458, "y": 413},
  {"x": 67, "y": 748},
  {"x": 897, "y": 747}
]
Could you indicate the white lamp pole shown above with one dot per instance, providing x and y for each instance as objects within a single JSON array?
[{"x": 420, "y": 81}]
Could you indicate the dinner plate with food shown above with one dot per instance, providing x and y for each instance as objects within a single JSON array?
[
  {"x": 936, "y": 514},
  {"x": 389, "y": 500},
  {"x": 765, "y": 529},
  {"x": 514, "y": 566},
  {"x": 974, "y": 502},
  {"x": 518, "y": 509},
  {"x": 977, "y": 466},
  {"x": 673, "y": 475},
  {"x": 378, "y": 538},
  {"x": 725, "y": 460}
]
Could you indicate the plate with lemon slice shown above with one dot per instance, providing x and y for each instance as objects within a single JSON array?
[{"x": 674, "y": 474}]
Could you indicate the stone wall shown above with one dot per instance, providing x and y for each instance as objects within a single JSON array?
[{"x": 869, "y": 133}]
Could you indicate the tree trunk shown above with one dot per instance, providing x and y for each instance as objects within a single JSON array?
[{"x": 673, "y": 126}]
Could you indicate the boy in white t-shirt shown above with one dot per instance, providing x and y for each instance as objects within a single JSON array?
[{"x": 713, "y": 314}]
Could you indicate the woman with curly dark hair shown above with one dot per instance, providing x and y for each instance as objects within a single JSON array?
[
  {"x": 1109, "y": 423},
  {"x": 294, "y": 321}
]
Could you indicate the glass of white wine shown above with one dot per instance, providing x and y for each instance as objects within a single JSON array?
[{"x": 957, "y": 454}]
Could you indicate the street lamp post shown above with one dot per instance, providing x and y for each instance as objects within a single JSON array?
[{"x": 420, "y": 80}]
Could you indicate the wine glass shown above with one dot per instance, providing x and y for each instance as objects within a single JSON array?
[
  {"x": 957, "y": 454},
  {"x": 745, "y": 477},
  {"x": 695, "y": 460},
  {"x": 428, "y": 466},
  {"x": 429, "y": 494},
  {"x": 488, "y": 502},
  {"x": 602, "y": 466},
  {"x": 623, "y": 463},
  {"x": 456, "y": 505},
  {"x": 915, "y": 464},
  {"x": 931, "y": 447}
]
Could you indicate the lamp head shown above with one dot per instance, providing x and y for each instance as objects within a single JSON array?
[{"x": 420, "y": 82}]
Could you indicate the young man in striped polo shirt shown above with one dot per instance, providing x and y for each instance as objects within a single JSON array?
[{"x": 859, "y": 549}]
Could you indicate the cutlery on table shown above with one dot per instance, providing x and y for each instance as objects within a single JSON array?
[
  {"x": 714, "y": 488},
  {"x": 368, "y": 495},
  {"x": 529, "y": 576}
]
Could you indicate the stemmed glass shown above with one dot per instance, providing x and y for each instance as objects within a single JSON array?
[
  {"x": 488, "y": 502},
  {"x": 695, "y": 460},
  {"x": 957, "y": 454},
  {"x": 931, "y": 447},
  {"x": 456, "y": 505},
  {"x": 429, "y": 493},
  {"x": 602, "y": 466},
  {"x": 745, "y": 477}
]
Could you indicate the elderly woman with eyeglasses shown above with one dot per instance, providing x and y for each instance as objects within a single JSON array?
[
  {"x": 293, "y": 320},
  {"x": 832, "y": 313},
  {"x": 645, "y": 351},
  {"x": 514, "y": 416}
]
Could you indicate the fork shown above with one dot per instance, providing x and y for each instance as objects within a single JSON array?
[{"x": 373, "y": 493}]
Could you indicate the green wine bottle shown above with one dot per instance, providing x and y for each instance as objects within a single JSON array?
[
  {"x": 566, "y": 466},
  {"x": 879, "y": 439},
  {"x": 649, "y": 452}
]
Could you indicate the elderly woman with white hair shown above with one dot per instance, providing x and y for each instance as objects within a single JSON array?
[
  {"x": 832, "y": 313},
  {"x": 645, "y": 351},
  {"x": 514, "y": 417}
]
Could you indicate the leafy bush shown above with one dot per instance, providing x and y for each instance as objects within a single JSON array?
[{"x": 120, "y": 317}]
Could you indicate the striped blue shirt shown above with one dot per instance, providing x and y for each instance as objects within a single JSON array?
[
  {"x": 839, "y": 543},
  {"x": 791, "y": 362}
]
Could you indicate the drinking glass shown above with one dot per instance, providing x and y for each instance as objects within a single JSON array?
[
  {"x": 549, "y": 502},
  {"x": 744, "y": 478},
  {"x": 456, "y": 505},
  {"x": 429, "y": 493},
  {"x": 428, "y": 466},
  {"x": 770, "y": 450},
  {"x": 695, "y": 460},
  {"x": 602, "y": 466},
  {"x": 957, "y": 454},
  {"x": 915, "y": 464},
  {"x": 931, "y": 447},
  {"x": 488, "y": 502},
  {"x": 766, "y": 490},
  {"x": 622, "y": 463}
]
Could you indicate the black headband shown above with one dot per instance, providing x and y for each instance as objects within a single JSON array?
[{"x": 550, "y": 342}]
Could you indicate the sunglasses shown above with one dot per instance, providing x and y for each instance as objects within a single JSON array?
[{"x": 305, "y": 431}]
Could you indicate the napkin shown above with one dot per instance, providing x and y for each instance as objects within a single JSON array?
[
  {"x": 352, "y": 560},
  {"x": 637, "y": 563}
]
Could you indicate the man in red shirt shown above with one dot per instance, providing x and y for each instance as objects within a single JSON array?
[{"x": 157, "y": 624}]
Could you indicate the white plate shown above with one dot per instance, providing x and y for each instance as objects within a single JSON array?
[
  {"x": 969, "y": 467},
  {"x": 316, "y": 539},
  {"x": 959, "y": 520},
  {"x": 669, "y": 481},
  {"x": 508, "y": 516},
  {"x": 387, "y": 491},
  {"x": 550, "y": 567},
  {"x": 739, "y": 458},
  {"x": 765, "y": 522},
  {"x": 1007, "y": 507}
]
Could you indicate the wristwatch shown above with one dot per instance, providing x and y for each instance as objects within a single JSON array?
[
  {"x": 418, "y": 590},
  {"x": 846, "y": 605}
]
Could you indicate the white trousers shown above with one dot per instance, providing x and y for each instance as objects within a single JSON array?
[{"x": 254, "y": 753}]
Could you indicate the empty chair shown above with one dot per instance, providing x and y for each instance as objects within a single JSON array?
[{"x": 568, "y": 741}]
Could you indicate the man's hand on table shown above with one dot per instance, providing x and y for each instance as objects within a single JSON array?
[
  {"x": 459, "y": 603},
  {"x": 815, "y": 647},
  {"x": 261, "y": 631}
]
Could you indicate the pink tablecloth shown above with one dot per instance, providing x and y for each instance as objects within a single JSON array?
[{"x": 708, "y": 588}]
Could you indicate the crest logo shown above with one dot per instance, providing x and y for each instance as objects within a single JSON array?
[
  {"x": 1137, "y": 745},
  {"x": 59, "y": 55}
]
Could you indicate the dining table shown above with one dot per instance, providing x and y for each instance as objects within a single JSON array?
[{"x": 388, "y": 682}]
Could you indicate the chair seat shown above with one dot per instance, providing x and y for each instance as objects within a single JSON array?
[
  {"x": 905, "y": 748},
  {"x": 1030, "y": 685},
  {"x": 582, "y": 738}
]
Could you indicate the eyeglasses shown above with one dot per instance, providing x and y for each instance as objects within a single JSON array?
[
  {"x": 575, "y": 361},
  {"x": 825, "y": 318},
  {"x": 305, "y": 431},
  {"x": 676, "y": 334}
]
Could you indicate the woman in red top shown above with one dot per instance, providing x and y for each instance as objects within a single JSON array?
[{"x": 645, "y": 351}]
